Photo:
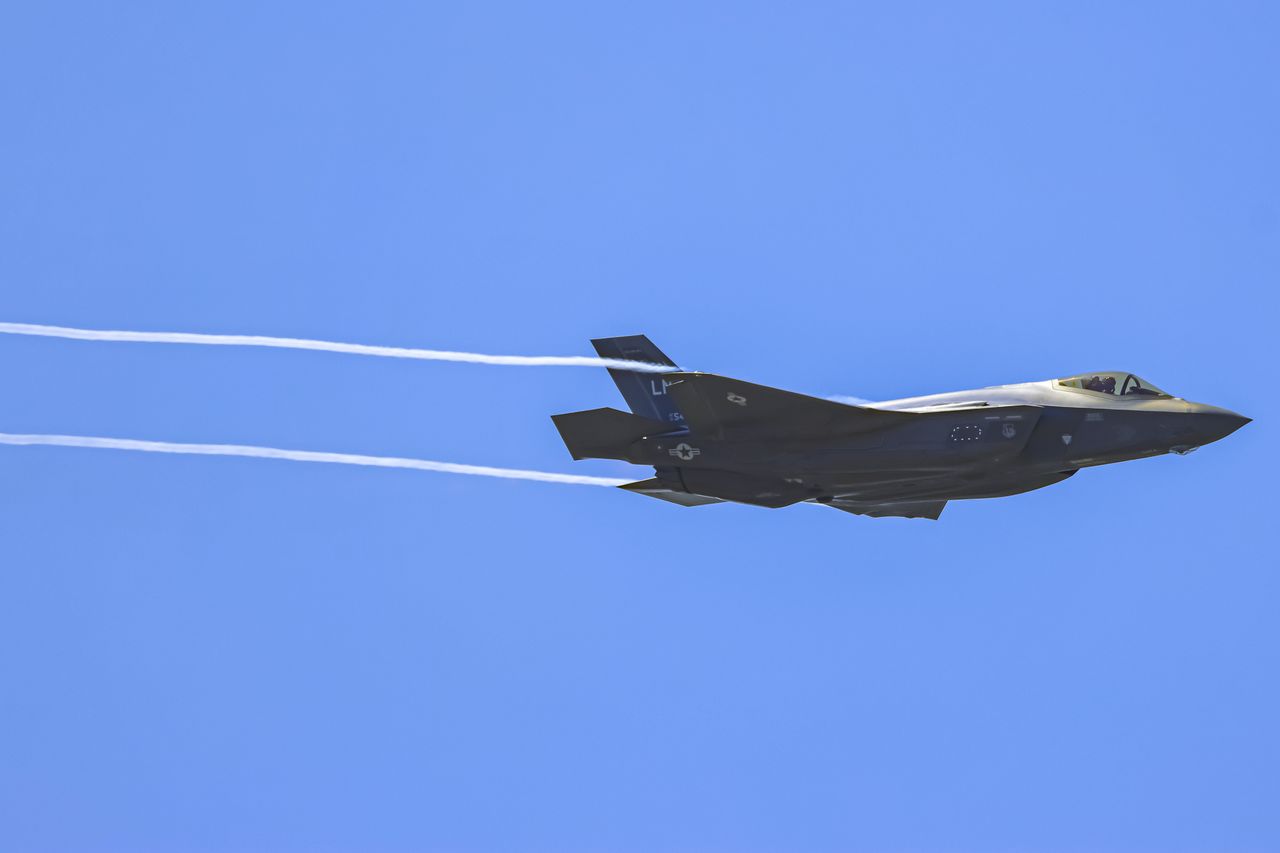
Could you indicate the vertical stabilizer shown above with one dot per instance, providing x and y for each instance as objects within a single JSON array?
[{"x": 645, "y": 393}]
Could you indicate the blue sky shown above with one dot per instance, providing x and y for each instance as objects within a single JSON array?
[{"x": 878, "y": 200}]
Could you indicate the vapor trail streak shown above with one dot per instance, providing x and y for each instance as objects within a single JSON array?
[
  {"x": 329, "y": 346},
  {"x": 304, "y": 456}
]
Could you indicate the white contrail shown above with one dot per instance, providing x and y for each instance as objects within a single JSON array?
[
  {"x": 304, "y": 456},
  {"x": 329, "y": 346}
]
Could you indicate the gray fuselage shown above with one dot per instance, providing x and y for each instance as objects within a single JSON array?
[
  {"x": 714, "y": 438},
  {"x": 986, "y": 442}
]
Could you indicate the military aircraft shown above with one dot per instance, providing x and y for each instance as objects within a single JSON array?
[{"x": 713, "y": 439}]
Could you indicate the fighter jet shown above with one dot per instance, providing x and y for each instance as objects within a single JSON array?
[{"x": 712, "y": 439}]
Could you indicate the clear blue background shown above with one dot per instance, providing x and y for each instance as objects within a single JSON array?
[{"x": 880, "y": 200}]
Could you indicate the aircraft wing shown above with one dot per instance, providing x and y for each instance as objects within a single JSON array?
[{"x": 720, "y": 407}]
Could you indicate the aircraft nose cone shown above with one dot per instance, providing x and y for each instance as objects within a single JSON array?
[
  {"x": 1235, "y": 422},
  {"x": 1215, "y": 423}
]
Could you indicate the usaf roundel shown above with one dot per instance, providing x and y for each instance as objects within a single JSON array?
[{"x": 684, "y": 452}]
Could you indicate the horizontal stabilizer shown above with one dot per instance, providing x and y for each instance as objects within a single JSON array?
[
  {"x": 904, "y": 509},
  {"x": 604, "y": 433},
  {"x": 656, "y": 488},
  {"x": 719, "y": 407}
]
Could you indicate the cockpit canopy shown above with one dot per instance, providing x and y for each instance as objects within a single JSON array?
[{"x": 1116, "y": 384}]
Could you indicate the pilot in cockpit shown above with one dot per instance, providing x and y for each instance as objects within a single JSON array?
[{"x": 1107, "y": 385}]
